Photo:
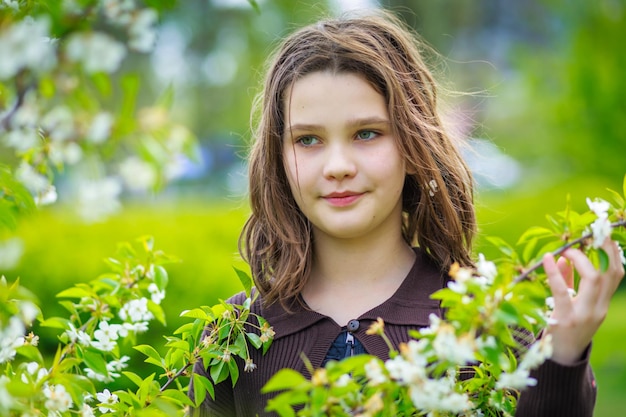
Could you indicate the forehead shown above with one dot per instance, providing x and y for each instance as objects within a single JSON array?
[{"x": 324, "y": 96}]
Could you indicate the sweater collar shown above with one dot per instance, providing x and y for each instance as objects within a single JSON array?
[{"x": 409, "y": 305}]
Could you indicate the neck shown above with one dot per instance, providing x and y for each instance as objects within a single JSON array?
[
  {"x": 360, "y": 261},
  {"x": 349, "y": 278}
]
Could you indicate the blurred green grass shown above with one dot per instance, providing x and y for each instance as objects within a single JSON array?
[{"x": 61, "y": 251}]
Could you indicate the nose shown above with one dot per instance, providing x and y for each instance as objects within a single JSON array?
[{"x": 339, "y": 162}]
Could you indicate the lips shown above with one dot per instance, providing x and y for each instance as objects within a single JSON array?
[{"x": 343, "y": 198}]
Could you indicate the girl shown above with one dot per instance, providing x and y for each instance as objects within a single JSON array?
[{"x": 360, "y": 203}]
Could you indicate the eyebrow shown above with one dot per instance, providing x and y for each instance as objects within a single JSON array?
[{"x": 366, "y": 121}]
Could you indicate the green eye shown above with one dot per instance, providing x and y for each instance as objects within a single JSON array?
[
  {"x": 307, "y": 140},
  {"x": 366, "y": 135}
]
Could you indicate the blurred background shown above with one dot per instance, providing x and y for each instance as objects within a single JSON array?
[{"x": 537, "y": 88}]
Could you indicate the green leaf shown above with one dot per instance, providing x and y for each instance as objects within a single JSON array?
[
  {"x": 160, "y": 277},
  {"x": 178, "y": 396},
  {"x": 136, "y": 379},
  {"x": 245, "y": 280},
  {"x": 76, "y": 385},
  {"x": 30, "y": 352},
  {"x": 179, "y": 344},
  {"x": 234, "y": 371},
  {"x": 200, "y": 380},
  {"x": 502, "y": 245},
  {"x": 619, "y": 200},
  {"x": 603, "y": 257},
  {"x": 147, "y": 242},
  {"x": 95, "y": 361},
  {"x": 185, "y": 328},
  {"x": 255, "y": 6},
  {"x": 283, "y": 379},
  {"x": 199, "y": 392},
  {"x": 74, "y": 292},
  {"x": 534, "y": 232},
  {"x": 196, "y": 313},
  {"x": 254, "y": 339},
  {"x": 102, "y": 82},
  {"x": 157, "y": 311},
  {"x": 151, "y": 353},
  {"x": 219, "y": 372},
  {"x": 146, "y": 387},
  {"x": 56, "y": 323}
]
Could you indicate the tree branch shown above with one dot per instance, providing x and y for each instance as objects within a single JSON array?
[{"x": 524, "y": 275}]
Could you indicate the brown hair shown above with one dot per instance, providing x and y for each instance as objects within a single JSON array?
[{"x": 438, "y": 205}]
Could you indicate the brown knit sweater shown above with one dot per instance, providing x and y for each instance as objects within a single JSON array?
[{"x": 560, "y": 391}]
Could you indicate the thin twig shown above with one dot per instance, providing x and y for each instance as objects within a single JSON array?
[
  {"x": 524, "y": 275},
  {"x": 179, "y": 373},
  {"x": 5, "y": 122}
]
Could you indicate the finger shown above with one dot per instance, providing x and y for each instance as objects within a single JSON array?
[
  {"x": 591, "y": 288},
  {"x": 567, "y": 271},
  {"x": 562, "y": 300},
  {"x": 615, "y": 271}
]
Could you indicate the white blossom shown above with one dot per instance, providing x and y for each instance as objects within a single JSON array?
[
  {"x": 142, "y": 30},
  {"x": 6, "y": 399},
  {"x": 519, "y": 379},
  {"x": 33, "y": 180},
  {"x": 106, "y": 331},
  {"x": 21, "y": 139},
  {"x": 10, "y": 4},
  {"x": 98, "y": 199},
  {"x": 486, "y": 268},
  {"x": 343, "y": 380},
  {"x": 62, "y": 153},
  {"x": 118, "y": 365},
  {"x": 33, "y": 368},
  {"x": 100, "y": 128},
  {"x": 106, "y": 398},
  {"x": 11, "y": 251},
  {"x": 86, "y": 411},
  {"x": 601, "y": 230},
  {"x": 537, "y": 353},
  {"x": 457, "y": 287},
  {"x": 23, "y": 44},
  {"x": 97, "y": 52},
  {"x": 78, "y": 336},
  {"x": 11, "y": 338},
  {"x": 439, "y": 395},
  {"x": 155, "y": 294},
  {"x": 456, "y": 350},
  {"x": 137, "y": 174},
  {"x": 599, "y": 207},
  {"x": 118, "y": 11},
  {"x": 57, "y": 398},
  {"x": 435, "y": 322},
  {"x": 136, "y": 310},
  {"x": 59, "y": 123},
  {"x": 138, "y": 327},
  {"x": 91, "y": 374},
  {"x": 105, "y": 345},
  {"x": 374, "y": 373},
  {"x": 46, "y": 197},
  {"x": 28, "y": 312}
]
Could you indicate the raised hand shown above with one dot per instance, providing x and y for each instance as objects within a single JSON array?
[{"x": 576, "y": 319}]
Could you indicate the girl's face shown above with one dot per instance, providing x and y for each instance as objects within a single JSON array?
[{"x": 343, "y": 166}]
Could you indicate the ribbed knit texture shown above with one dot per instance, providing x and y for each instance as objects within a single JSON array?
[{"x": 561, "y": 390}]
